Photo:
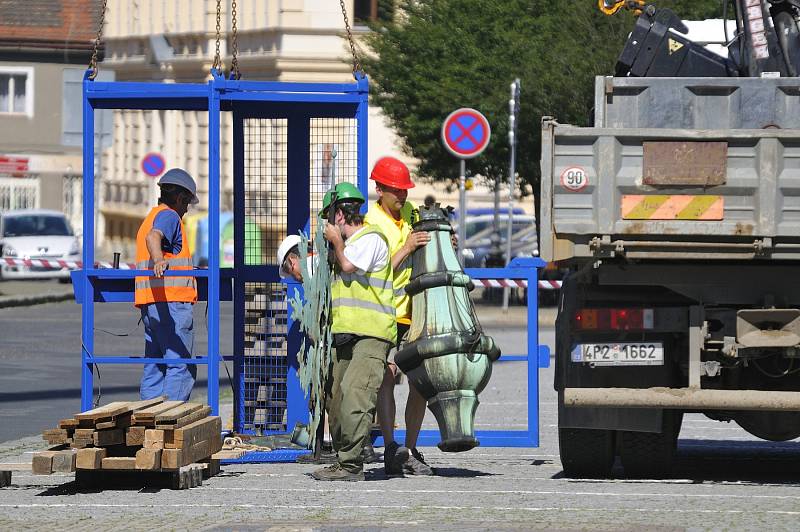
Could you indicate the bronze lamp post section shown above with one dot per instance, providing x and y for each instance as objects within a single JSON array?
[{"x": 447, "y": 357}]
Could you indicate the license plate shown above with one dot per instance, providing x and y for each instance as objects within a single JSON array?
[{"x": 621, "y": 354}]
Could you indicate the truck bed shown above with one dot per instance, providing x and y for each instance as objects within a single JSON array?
[{"x": 659, "y": 193}]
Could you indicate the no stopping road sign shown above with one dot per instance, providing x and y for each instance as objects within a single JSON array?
[{"x": 466, "y": 133}]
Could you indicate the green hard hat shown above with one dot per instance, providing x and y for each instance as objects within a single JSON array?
[{"x": 345, "y": 192}]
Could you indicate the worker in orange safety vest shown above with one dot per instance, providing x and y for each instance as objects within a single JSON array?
[{"x": 166, "y": 302}]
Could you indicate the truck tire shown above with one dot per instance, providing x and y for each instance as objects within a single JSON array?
[
  {"x": 586, "y": 453},
  {"x": 651, "y": 454}
]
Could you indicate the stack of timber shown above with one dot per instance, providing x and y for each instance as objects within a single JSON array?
[{"x": 173, "y": 437}]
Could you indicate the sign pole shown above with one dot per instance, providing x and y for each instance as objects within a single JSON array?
[
  {"x": 462, "y": 210},
  {"x": 513, "y": 108}
]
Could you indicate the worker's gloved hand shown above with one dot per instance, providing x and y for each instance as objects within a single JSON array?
[
  {"x": 160, "y": 267},
  {"x": 332, "y": 233},
  {"x": 417, "y": 239}
]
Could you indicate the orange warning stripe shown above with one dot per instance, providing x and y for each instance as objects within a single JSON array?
[{"x": 672, "y": 207}]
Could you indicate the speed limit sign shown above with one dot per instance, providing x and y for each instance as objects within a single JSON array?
[{"x": 574, "y": 178}]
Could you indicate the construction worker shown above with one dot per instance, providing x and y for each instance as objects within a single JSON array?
[
  {"x": 289, "y": 259},
  {"x": 363, "y": 325},
  {"x": 166, "y": 302},
  {"x": 395, "y": 216}
]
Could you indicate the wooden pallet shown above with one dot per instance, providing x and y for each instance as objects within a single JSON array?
[{"x": 185, "y": 477}]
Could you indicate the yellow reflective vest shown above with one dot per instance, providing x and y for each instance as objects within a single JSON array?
[
  {"x": 363, "y": 304},
  {"x": 396, "y": 236}
]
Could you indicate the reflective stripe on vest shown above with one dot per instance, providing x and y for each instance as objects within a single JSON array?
[
  {"x": 163, "y": 289},
  {"x": 396, "y": 237},
  {"x": 363, "y": 304}
]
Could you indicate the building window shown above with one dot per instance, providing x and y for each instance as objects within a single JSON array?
[
  {"x": 366, "y": 11},
  {"x": 16, "y": 90}
]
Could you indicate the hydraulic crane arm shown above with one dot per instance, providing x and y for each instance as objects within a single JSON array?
[{"x": 766, "y": 41}]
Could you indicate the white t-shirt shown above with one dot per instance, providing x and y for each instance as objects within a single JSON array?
[{"x": 368, "y": 254}]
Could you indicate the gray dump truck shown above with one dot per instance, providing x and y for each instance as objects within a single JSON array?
[{"x": 678, "y": 215}]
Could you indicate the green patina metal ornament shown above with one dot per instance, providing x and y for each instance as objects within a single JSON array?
[
  {"x": 447, "y": 357},
  {"x": 313, "y": 312}
]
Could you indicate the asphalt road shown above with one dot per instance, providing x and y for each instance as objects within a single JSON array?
[
  {"x": 723, "y": 479},
  {"x": 40, "y": 380}
]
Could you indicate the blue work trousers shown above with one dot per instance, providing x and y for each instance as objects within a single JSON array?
[{"x": 168, "y": 334}]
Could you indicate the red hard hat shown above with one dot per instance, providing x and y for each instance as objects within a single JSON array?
[{"x": 391, "y": 172}]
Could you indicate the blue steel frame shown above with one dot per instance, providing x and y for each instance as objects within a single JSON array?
[
  {"x": 538, "y": 356},
  {"x": 245, "y": 99}
]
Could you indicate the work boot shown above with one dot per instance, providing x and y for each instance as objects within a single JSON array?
[
  {"x": 327, "y": 456},
  {"x": 368, "y": 454},
  {"x": 416, "y": 464},
  {"x": 336, "y": 472},
  {"x": 394, "y": 456}
]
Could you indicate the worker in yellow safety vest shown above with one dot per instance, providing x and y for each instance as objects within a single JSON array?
[
  {"x": 363, "y": 325},
  {"x": 395, "y": 215},
  {"x": 166, "y": 302}
]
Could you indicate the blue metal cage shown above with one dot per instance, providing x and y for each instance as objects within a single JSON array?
[{"x": 284, "y": 139}]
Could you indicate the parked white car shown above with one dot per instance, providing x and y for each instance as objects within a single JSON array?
[{"x": 36, "y": 234}]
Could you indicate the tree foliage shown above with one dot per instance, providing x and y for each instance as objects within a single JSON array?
[{"x": 440, "y": 55}]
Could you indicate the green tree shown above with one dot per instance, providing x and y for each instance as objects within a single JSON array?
[{"x": 443, "y": 54}]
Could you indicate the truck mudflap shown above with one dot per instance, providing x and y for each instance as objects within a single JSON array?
[{"x": 682, "y": 398}]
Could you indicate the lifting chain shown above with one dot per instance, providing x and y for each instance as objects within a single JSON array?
[
  {"x": 234, "y": 44},
  {"x": 217, "y": 65},
  {"x": 356, "y": 64},
  {"x": 93, "y": 60}
]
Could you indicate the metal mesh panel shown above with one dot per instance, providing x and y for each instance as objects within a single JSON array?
[
  {"x": 265, "y": 314},
  {"x": 329, "y": 136}
]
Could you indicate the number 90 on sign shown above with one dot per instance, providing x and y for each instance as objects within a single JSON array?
[{"x": 574, "y": 178}]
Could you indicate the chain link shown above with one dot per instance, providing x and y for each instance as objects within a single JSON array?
[
  {"x": 356, "y": 64},
  {"x": 234, "y": 44},
  {"x": 217, "y": 60},
  {"x": 93, "y": 60}
]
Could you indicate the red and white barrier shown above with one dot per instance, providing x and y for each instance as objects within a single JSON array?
[
  {"x": 516, "y": 283},
  {"x": 58, "y": 264}
]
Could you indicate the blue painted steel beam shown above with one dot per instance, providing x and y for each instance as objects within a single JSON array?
[
  {"x": 87, "y": 311},
  {"x": 214, "y": 190},
  {"x": 239, "y": 265},
  {"x": 141, "y": 360}
]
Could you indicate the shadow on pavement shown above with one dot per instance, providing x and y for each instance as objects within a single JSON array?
[{"x": 72, "y": 393}]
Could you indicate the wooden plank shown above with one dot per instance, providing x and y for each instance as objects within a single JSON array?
[
  {"x": 119, "y": 462},
  {"x": 5, "y": 478},
  {"x": 147, "y": 416},
  {"x": 212, "y": 468},
  {"x": 43, "y": 462},
  {"x": 230, "y": 454},
  {"x": 69, "y": 423},
  {"x": 83, "y": 434},
  {"x": 65, "y": 461},
  {"x": 187, "y": 419},
  {"x": 90, "y": 458},
  {"x": 26, "y": 467},
  {"x": 122, "y": 421},
  {"x": 153, "y": 439},
  {"x": 103, "y": 412},
  {"x": 193, "y": 433},
  {"x": 148, "y": 459},
  {"x": 175, "y": 458},
  {"x": 170, "y": 416},
  {"x": 138, "y": 406},
  {"x": 134, "y": 436},
  {"x": 105, "y": 438}
]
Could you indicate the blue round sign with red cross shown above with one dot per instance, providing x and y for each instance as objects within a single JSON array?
[
  {"x": 153, "y": 164},
  {"x": 466, "y": 133}
]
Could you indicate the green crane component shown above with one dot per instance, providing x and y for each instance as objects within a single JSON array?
[{"x": 313, "y": 313}]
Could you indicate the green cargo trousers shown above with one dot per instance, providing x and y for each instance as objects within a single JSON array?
[{"x": 358, "y": 369}]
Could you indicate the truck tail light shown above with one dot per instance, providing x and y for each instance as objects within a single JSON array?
[{"x": 614, "y": 319}]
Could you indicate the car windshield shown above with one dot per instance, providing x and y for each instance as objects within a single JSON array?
[{"x": 36, "y": 225}]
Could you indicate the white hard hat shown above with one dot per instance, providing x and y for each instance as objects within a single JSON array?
[
  {"x": 288, "y": 243},
  {"x": 177, "y": 176}
]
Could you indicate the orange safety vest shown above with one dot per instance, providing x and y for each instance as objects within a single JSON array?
[{"x": 167, "y": 289}]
